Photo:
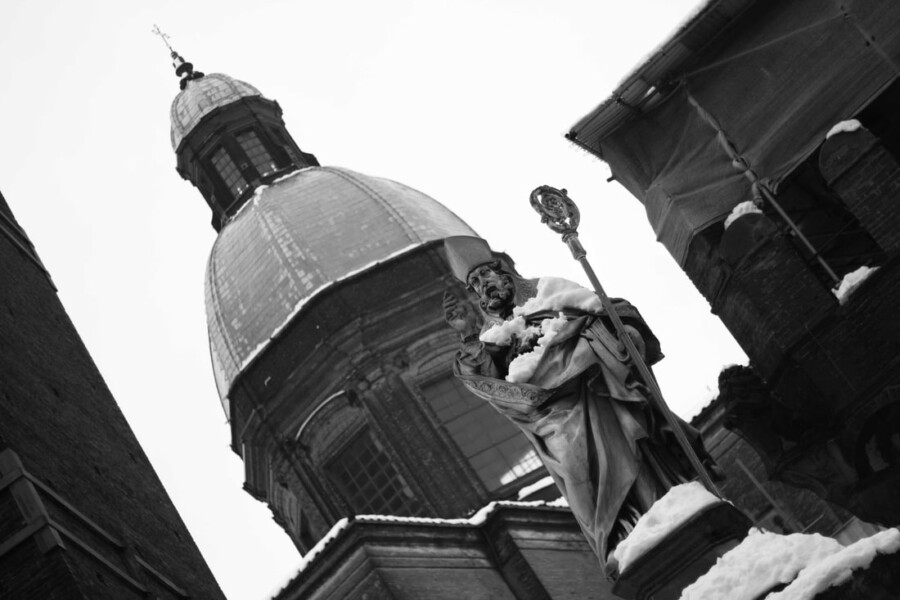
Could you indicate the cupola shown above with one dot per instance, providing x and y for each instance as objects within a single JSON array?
[{"x": 229, "y": 139}]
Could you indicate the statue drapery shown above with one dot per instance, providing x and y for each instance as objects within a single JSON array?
[{"x": 583, "y": 408}]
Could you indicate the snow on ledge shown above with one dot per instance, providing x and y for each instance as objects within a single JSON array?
[
  {"x": 335, "y": 531},
  {"x": 850, "y": 282},
  {"x": 476, "y": 519},
  {"x": 678, "y": 505},
  {"x": 836, "y": 568},
  {"x": 744, "y": 208},
  {"x": 534, "y": 487},
  {"x": 848, "y": 126},
  {"x": 759, "y": 563}
]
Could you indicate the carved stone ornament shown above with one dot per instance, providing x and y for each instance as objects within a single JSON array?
[{"x": 499, "y": 391}]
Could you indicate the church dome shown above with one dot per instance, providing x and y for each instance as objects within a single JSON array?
[
  {"x": 200, "y": 97},
  {"x": 296, "y": 238}
]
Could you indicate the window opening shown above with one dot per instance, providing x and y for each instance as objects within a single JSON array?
[
  {"x": 229, "y": 172},
  {"x": 883, "y": 120},
  {"x": 495, "y": 448},
  {"x": 821, "y": 217},
  {"x": 369, "y": 481},
  {"x": 260, "y": 158}
]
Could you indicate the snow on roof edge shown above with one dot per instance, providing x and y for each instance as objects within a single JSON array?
[{"x": 478, "y": 518}]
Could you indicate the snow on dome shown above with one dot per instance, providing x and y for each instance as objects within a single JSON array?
[
  {"x": 744, "y": 208},
  {"x": 297, "y": 239},
  {"x": 759, "y": 563},
  {"x": 200, "y": 97},
  {"x": 848, "y": 126},
  {"x": 678, "y": 505},
  {"x": 850, "y": 282}
]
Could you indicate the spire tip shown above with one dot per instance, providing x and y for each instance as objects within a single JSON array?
[{"x": 183, "y": 69}]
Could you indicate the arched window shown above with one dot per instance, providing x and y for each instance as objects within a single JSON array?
[
  {"x": 497, "y": 451},
  {"x": 369, "y": 482},
  {"x": 824, "y": 220}
]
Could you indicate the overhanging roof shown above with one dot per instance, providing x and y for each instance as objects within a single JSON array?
[
  {"x": 654, "y": 76},
  {"x": 743, "y": 92}
]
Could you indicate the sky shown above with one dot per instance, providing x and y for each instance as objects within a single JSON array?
[{"x": 466, "y": 101}]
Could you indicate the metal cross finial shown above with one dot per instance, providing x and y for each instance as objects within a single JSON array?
[{"x": 163, "y": 36}]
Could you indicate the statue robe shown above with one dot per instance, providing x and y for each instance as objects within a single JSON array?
[{"x": 588, "y": 418}]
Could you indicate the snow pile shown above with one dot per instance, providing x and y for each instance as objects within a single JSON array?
[
  {"x": 844, "y": 127},
  {"x": 501, "y": 334},
  {"x": 678, "y": 505},
  {"x": 553, "y": 293},
  {"x": 744, "y": 208},
  {"x": 850, "y": 282},
  {"x": 836, "y": 568},
  {"x": 762, "y": 561},
  {"x": 522, "y": 367},
  {"x": 556, "y": 293}
]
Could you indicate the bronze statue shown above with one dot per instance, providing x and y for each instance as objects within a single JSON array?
[{"x": 583, "y": 407}]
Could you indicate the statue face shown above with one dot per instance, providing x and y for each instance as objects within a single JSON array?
[{"x": 494, "y": 287}]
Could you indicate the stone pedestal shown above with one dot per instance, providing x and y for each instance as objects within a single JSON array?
[{"x": 684, "y": 555}]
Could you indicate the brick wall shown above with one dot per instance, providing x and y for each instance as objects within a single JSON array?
[
  {"x": 867, "y": 178},
  {"x": 60, "y": 419}
]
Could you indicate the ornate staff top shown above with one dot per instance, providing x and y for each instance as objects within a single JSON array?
[
  {"x": 560, "y": 214},
  {"x": 556, "y": 209}
]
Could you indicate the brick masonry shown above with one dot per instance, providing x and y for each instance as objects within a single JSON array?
[
  {"x": 829, "y": 364},
  {"x": 89, "y": 474}
]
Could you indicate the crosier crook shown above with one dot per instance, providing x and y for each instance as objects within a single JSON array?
[{"x": 561, "y": 215}]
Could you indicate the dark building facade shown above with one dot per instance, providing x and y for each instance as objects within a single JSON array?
[
  {"x": 740, "y": 106},
  {"x": 82, "y": 513}
]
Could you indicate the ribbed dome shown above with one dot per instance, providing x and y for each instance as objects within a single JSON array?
[
  {"x": 202, "y": 96},
  {"x": 294, "y": 238}
]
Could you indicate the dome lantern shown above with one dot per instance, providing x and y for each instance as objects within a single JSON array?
[{"x": 229, "y": 138}]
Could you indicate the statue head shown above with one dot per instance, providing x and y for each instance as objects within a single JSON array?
[
  {"x": 496, "y": 288},
  {"x": 488, "y": 274}
]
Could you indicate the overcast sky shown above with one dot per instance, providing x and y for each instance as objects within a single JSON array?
[{"x": 466, "y": 101}]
